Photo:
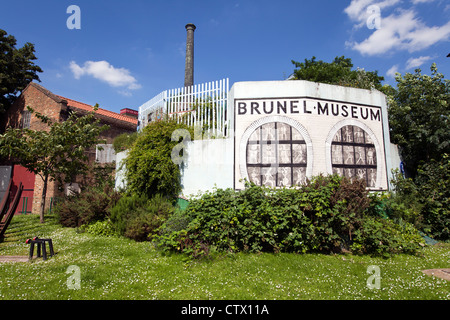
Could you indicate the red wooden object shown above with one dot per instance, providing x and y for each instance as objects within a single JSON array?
[{"x": 21, "y": 174}]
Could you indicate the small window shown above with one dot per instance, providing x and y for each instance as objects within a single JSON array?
[
  {"x": 105, "y": 153},
  {"x": 26, "y": 117},
  {"x": 71, "y": 189}
]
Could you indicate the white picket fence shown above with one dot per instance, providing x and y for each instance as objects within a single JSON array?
[{"x": 203, "y": 105}]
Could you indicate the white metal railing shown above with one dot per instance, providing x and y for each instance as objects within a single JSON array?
[{"x": 203, "y": 105}]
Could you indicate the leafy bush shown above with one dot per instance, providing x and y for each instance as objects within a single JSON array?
[
  {"x": 324, "y": 215},
  {"x": 433, "y": 181},
  {"x": 327, "y": 214},
  {"x": 100, "y": 228},
  {"x": 404, "y": 203},
  {"x": 124, "y": 141},
  {"x": 137, "y": 217},
  {"x": 175, "y": 222},
  {"x": 140, "y": 226},
  {"x": 149, "y": 166},
  {"x": 91, "y": 205},
  {"x": 384, "y": 237},
  {"x": 336, "y": 208},
  {"x": 425, "y": 201},
  {"x": 124, "y": 209}
]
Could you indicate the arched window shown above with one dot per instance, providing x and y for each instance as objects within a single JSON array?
[
  {"x": 277, "y": 153},
  {"x": 353, "y": 154}
]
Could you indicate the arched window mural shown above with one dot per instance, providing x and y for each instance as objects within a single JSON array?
[
  {"x": 353, "y": 154},
  {"x": 276, "y": 155}
]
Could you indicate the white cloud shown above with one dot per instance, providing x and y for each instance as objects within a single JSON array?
[
  {"x": 399, "y": 31},
  {"x": 425, "y": 37},
  {"x": 392, "y": 71},
  {"x": 416, "y": 62},
  {"x": 125, "y": 93},
  {"x": 76, "y": 70},
  {"x": 411, "y": 63},
  {"x": 358, "y": 10},
  {"x": 421, "y": 1},
  {"x": 104, "y": 71}
]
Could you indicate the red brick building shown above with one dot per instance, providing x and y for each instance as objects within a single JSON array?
[{"x": 57, "y": 108}]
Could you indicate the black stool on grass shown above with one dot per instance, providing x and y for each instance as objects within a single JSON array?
[{"x": 40, "y": 246}]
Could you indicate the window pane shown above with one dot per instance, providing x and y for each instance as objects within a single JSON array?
[
  {"x": 353, "y": 154},
  {"x": 276, "y": 155}
]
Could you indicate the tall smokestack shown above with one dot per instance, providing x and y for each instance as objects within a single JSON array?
[{"x": 189, "y": 68}]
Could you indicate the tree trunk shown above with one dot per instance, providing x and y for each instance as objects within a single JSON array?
[{"x": 44, "y": 195}]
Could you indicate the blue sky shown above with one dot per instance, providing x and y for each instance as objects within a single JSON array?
[{"x": 126, "y": 52}]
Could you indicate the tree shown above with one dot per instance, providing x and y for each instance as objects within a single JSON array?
[
  {"x": 433, "y": 180},
  {"x": 57, "y": 154},
  {"x": 17, "y": 69},
  {"x": 419, "y": 117},
  {"x": 338, "y": 72}
]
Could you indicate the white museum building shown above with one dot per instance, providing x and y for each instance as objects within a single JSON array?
[{"x": 278, "y": 133}]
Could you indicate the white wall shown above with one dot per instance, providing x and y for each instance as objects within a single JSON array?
[
  {"x": 120, "y": 176},
  {"x": 209, "y": 165},
  {"x": 395, "y": 159}
]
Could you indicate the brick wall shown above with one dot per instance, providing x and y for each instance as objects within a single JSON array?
[
  {"x": 47, "y": 103},
  {"x": 44, "y": 102},
  {"x": 40, "y": 100}
]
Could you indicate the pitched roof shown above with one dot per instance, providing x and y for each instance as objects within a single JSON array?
[
  {"x": 106, "y": 113},
  {"x": 45, "y": 91}
]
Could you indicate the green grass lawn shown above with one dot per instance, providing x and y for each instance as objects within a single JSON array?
[{"x": 118, "y": 268}]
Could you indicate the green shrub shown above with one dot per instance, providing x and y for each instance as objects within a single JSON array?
[
  {"x": 327, "y": 214},
  {"x": 336, "y": 208},
  {"x": 175, "y": 222},
  {"x": 149, "y": 166},
  {"x": 91, "y": 205},
  {"x": 384, "y": 237},
  {"x": 425, "y": 201},
  {"x": 405, "y": 202},
  {"x": 322, "y": 215},
  {"x": 124, "y": 209},
  {"x": 433, "y": 181},
  {"x": 141, "y": 225},
  {"x": 138, "y": 217},
  {"x": 67, "y": 213},
  {"x": 100, "y": 228},
  {"x": 124, "y": 141}
]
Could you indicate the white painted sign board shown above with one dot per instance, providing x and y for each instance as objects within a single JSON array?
[{"x": 287, "y": 131}]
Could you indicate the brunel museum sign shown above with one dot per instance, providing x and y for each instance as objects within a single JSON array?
[{"x": 280, "y": 141}]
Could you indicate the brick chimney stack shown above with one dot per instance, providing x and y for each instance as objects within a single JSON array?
[
  {"x": 129, "y": 113},
  {"x": 189, "y": 68}
]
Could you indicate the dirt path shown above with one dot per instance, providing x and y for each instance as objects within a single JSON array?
[
  {"x": 13, "y": 259},
  {"x": 441, "y": 273}
]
